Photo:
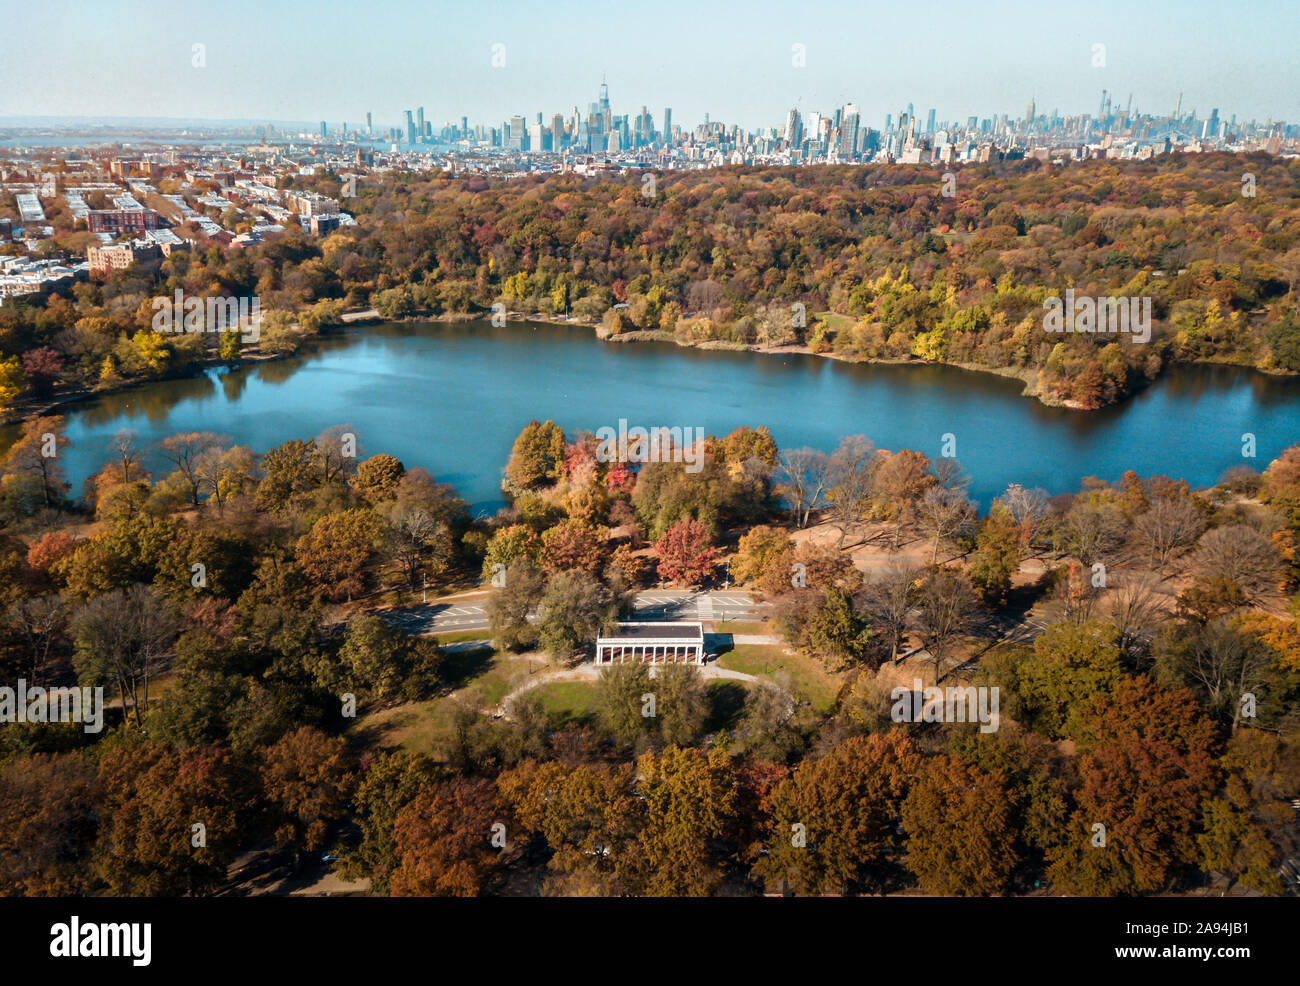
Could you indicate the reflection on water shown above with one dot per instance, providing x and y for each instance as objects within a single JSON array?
[{"x": 451, "y": 398}]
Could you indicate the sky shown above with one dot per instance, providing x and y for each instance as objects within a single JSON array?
[{"x": 307, "y": 61}]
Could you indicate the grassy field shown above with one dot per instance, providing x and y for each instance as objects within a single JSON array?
[
  {"x": 478, "y": 678},
  {"x": 463, "y": 635},
  {"x": 808, "y": 678},
  {"x": 568, "y": 700},
  {"x": 739, "y": 627}
]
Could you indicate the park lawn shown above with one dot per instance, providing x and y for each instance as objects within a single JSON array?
[
  {"x": 568, "y": 700},
  {"x": 416, "y": 727},
  {"x": 482, "y": 679},
  {"x": 806, "y": 674},
  {"x": 502, "y": 674},
  {"x": 462, "y": 636},
  {"x": 836, "y": 321},
  {"x": 737, "y": 627}
]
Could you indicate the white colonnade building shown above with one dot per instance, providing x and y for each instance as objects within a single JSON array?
[{"x": 653, "y": 643}]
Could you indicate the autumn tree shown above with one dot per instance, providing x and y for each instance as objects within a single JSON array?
[
  {"x": 898, "y": 484},
  {"x": 960, "y": 829},
  {"x": 1147, "y": 766},
  {"x": 32, "y": 470},
  {"x": 685, "y": 553},
  {"x": 337, "y": 550},
  {"x": 835, "y": 821},
  {"x": 47, "y": 826},
  {"x": 387, "y": 782},
  {"x": 571, "y": 544},
  {"x": 307, "y": 783},
  {"x": 758, "y": 547},
  {"x": 690, "y": 803},
  {"x": 537, "y": 457},
  {"x": 169, "y": 821},
  {"x": 186, "y": 451},
  {"x": 443, "y": 840},
  {"x": 376, "y": 478}
]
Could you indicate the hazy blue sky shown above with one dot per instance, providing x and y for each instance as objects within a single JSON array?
[{"x": 291, "y": 60}]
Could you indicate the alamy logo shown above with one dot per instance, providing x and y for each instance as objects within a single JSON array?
[
  {"x": 1131, "y": 316},
  {"x": 658, "y": 444},
  {"x": 102, "y": 940},
  {"x": 191, "y": 313},
  {"x": 37, "y": 704},
  {"x": 928, "y": 703}
]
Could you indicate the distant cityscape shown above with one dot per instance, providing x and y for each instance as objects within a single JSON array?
[
  {"x": 812, "y": 137},
  {"x": 146, "y": 190},
  {"x": 650, "y": 139}
]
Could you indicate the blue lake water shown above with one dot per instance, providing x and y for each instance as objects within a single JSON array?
[{"x": 451, "y": 398}]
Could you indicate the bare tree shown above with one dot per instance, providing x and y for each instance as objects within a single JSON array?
[
  {"x": 224, "y": 473},
  {"x": 852, "y": 467},
  {"x": 125, "y": 446},
  {"x": 124, "y": 637},
  {"x": 946, "y": 605},
  {"x": 1223, "y": 663},
  {"x": 945, "y": 513},
  {"x": 889, "y": 600},
  {"x": 1241, "y": 554},
  {"x": 39, "y": 622},
  {"x": 1135, "y": 611},
  {"x": 1169, "y": 525},
  {"x": 185, "y": 450},
  {"x": 1093, "y": 531},
  {"x": 1289, "y": 263},
  {"x": 337, "y": 452},
  {"x": 1028, "y": 507},
  {"x": 803, "y": 475},
  {"x": 949, "y": 475}
]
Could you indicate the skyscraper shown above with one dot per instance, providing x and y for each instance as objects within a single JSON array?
[
  {"x": 794, "y": 129},
  {"x": 368, "y": 127},
  {"x": 410, "y": 128},
  {"x": 929, "y": 123},
  {"x": 322, "y": 130},
  {"x": 668, "y": 124},
  {"x": 518, "y": 134},
  {"x": 849, "y": 123},
  {"x": 419, "y": 121}
]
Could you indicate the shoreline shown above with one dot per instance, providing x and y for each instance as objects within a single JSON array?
[{"x": 1028, "y": 377}]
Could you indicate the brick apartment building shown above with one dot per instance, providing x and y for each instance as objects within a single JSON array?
[
  {"x": 106, "y": 259},
  {"x": 119, "y": 221}
]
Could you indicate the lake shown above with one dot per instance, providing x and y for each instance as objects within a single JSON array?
[{"x": 451, "y": 398}]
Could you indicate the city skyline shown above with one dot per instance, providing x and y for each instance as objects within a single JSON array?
[{"x": 293, "y": 65}]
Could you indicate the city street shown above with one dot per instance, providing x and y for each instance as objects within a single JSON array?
[{"x": 460, "y": 614}]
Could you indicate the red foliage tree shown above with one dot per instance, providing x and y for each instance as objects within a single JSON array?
[{"x": 685, "y": 552}]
